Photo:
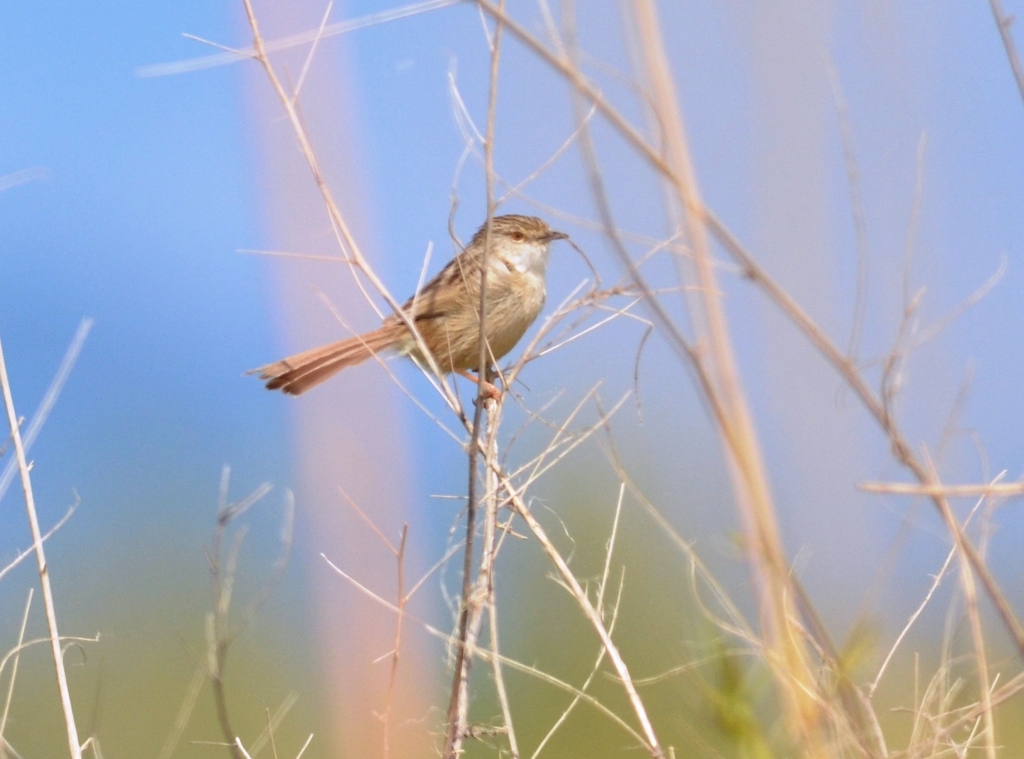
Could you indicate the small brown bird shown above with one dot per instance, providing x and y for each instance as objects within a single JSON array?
[{"x": 446, "y": 311}]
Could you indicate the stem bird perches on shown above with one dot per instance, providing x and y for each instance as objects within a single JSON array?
[{"x": 458, "y": 706}]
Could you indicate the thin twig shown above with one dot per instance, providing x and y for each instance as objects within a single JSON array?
[
  {"x": 1003, "y": 22},
  {"x": 901, "y": 449},
  {"x": 28, "y": 551},
  {"x": 486, "y": 654},
  {"x": 223, "y": 565},
  {"x": 232, "y": 55},
  {"x": 970, "y": 591},
  {"x": 600, "y": 610},
  {"x": 396, "y": 652},
  {"x": 860, "y": 227},
  {"x": 487, "y": 561},
  {"x": 188, "y": 704},
  {"x": 948, "y": 491},
  {"x": 49, "y": 400},
  {"x": 14, "y": 667},
  {"x": 312, "y": 53},
  {"x": 651, "y": 744},
  {"x": 936, "y": 581},
  {"x": 342, "y": 232}
]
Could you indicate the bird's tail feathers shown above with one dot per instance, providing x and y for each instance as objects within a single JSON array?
[{"x": 297, "y": 374}]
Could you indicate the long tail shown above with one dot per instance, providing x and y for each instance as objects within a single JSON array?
[{"x": 297, "y": 374}]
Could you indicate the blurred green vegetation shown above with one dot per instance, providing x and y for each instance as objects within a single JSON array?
[
  {"x": 707, "y": 694},
  {"x": 128, "y": 687}
]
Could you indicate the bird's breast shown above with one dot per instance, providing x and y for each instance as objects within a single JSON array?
[{"x": 513, "y": 306}]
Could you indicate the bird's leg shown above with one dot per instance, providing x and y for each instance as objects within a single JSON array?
[{"x": 490, "y": 390}]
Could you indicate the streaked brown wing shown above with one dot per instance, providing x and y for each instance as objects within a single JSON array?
[{"x": 445, "y": 293}]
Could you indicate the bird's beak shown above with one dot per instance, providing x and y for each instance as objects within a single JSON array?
[{"x": 550, "y": 236}]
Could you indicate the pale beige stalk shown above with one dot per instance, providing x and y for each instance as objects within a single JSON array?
[
  {"x": 74, "y": 746},
  {"x": 769, "y": 564}
]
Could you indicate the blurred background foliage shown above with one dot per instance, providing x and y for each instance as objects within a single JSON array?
[{"x": 152, "y": 184}]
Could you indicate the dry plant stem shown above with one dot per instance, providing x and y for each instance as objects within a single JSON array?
[
  {"x": 273, "y": 722},
  {"x": 223, "y": 566},
  {"x": 859, "y": 712},
  {"x": 936, "y": 581},
  {"x": 346, "y": 242},
  {"x": 270, "y": 730},
  {"x": 900, "y": 447},
  {"x": 25, "y": 554},
  {"x": 238, "y": 749},
  {"x": 600, "y": 610},
  {"x": 50, "y": 399},
  {"x": 978, "y": 640},
  {"x": 737, "y": 431},
  {"x": 1007, "y": 691},
  {"x": 386, "y": 717},
  {"x": 856, "y": 207},
  {"x": 1004, "y": 23},
  {"x": 486, "y": 593},
  {"x": 499, "y": 676},
  {"x": 44, "y": 575},
  {"x": 458, "y": 706},
  {"x": 949, "y": 491},
  {"x": 769, "y": 563},
  {"x": 782, "y": 300},
  {"x": 231, "y": 55},
  {"x": 480, "y": 597},
  {"x": 651, "y": 743},
  {"x": 14, "y": 670},
  {"x": 184, "y": 713},
  {"x": 507, "y": 662}
]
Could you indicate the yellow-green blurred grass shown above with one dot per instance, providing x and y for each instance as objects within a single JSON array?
[
  {"x": 127, "y": 688},
  {"x": 723, "y": 705},
  {"x": 657, "y": 628}
]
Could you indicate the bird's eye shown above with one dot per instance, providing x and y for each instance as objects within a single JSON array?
[{"x": 518, "y": 236}]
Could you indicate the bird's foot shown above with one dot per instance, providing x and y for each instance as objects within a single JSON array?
[{"x": 489, "y": 391}]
